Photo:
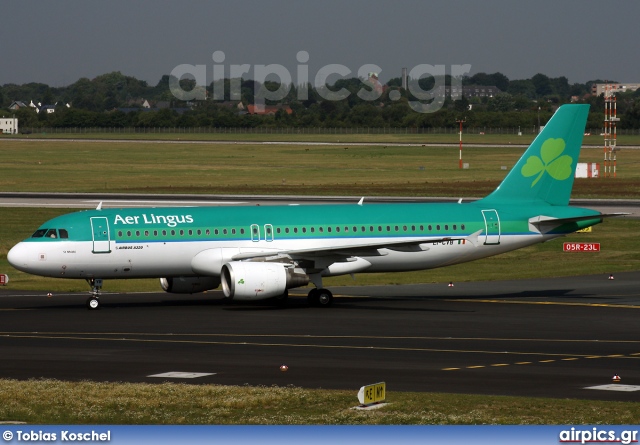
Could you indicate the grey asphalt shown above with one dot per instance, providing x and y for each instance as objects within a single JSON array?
[{"x": 550, "y": 338}]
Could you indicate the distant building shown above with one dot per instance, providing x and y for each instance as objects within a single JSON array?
[
  {"x": 268, "y": 109},
  {"x": 467, "y": 91},
  {"x": 235, "y": 105},
  {"x": 375, "y": 83},
  {"x": 9, "y": 125},
  {"x": 598, "y": 88},
  {"x": 16, "y": 105}
]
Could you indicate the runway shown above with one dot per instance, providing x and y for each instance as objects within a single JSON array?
[{"x": 549, "y": 338}]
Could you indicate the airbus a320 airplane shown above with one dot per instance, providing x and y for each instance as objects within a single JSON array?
[{"x": 260, "y": 252}]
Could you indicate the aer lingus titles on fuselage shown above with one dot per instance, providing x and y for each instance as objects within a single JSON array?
[
  {"x": 260, "y": 252},
  {"x": 168, "y": 220}
]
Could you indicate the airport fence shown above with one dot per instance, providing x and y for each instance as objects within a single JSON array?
[{"x": 295, "y": 130}]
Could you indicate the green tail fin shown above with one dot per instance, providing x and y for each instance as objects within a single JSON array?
[{"x": 546, "y": 170}]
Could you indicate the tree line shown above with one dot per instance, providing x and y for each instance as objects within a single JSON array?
[{"x": 115, "y": 100}]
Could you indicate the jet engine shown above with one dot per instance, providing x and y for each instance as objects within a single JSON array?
[
  {"x": 189, "y": 285},
  {"x": 259, "y": 280}
]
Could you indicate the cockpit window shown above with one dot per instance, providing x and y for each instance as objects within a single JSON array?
[{"x": 51, "y": 233}]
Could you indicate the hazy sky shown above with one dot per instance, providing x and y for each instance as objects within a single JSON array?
[{"x": 58, "y": 42}]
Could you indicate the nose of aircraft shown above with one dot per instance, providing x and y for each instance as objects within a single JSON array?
[{"x": 18, "y": 257}]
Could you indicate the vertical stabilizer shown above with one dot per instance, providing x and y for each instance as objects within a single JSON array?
[{"x": 546, "y": 170}]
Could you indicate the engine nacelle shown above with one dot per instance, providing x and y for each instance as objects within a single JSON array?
[
  {"x": 189, "y": 285},
  {"x": 259, "y": 280}
]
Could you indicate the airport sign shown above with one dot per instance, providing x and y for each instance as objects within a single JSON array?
[{"x": 581, "y": 247}]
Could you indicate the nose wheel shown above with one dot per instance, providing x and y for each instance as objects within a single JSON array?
[{"x": 93, "y": 302}]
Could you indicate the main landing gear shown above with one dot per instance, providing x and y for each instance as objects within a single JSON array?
[
  {"x": 281, "y": 300},
  {"x": 93, "y": 302},
  {"x": 320, "y": 297}
]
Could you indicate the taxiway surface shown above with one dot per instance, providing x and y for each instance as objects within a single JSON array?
[{"x": 549, "y": 338}]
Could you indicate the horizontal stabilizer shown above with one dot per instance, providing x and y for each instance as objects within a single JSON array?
[{"x": 545, "y": 224}]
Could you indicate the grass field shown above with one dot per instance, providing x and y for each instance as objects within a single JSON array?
[
  {"x": 128, "y": 167},
  {"x": 54, "y": 402},
  {"x": 302, "y": 170}
]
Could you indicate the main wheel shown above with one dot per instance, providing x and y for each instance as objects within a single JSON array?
[
  {"x": 325, "y": 298},
  {"x": 320, "y": 298},
  {"x": 93, "y": 303},
  {"x": 281, "y": 300},
  {"x": 312, "y": 297}
]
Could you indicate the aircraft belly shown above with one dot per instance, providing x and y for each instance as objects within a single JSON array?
[{"x": 134, "y": 261}]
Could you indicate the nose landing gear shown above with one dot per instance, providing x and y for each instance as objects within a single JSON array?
[{"x": 93, "y": 302}]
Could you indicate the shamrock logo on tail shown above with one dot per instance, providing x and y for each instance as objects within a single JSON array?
[{"x": 558, "y": 167}]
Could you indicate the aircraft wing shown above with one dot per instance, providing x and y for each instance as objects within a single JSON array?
[
  {"x": 364, "y": 249},
  {"x": 544, "y": 224}
]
